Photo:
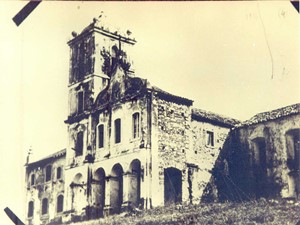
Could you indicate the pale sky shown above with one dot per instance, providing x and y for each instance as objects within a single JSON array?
[{"x": 215, "y": 53}]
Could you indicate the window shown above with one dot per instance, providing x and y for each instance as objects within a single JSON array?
[
  {"x": 44, "y": 206},
  {"x": 210, "y": 138},
  {"x": 80, "y": 102},
  {"x": 60, "y": 203},
  {"x": 48, "y": 172},
  {"x": 100, "y": 136},
  {"x": 136, "y": 125},
  {"x": 117, "y": 130},
  {"x": 32, "y": 180},
  {"x": 79, "y": 144},
  {"x": 30, "y": 209},
  {"x": 58, "y": 173}
]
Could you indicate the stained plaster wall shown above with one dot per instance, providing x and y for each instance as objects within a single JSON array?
[
  {"x": 41, "y": 189},
  {"x": 75, "y": 197},
  {"x": 274, "y": 133},
  {"x": 203, "y": 156},
  {"x": 128, "y": 149},
  {"x": 128, "y": 144},
  {"x": 123, "y": 153}
]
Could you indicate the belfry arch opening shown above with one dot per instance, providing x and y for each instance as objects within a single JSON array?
[
  {"x": 134, "y": 183},
  {"x": 116, "y": 188},
  {"x": 99, "y": 191},
  {"x": 172, "y": 186}
]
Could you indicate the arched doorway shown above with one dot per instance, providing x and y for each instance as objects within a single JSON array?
[
  {"x": 293, "y": 161},
  {"x": 260, "y": 167},
  {"x": 134, "y": 188},
  {"x": 116, "y": 188},
  {"x": 99, "y": 192},
  {"x": 172, "y": 186}
]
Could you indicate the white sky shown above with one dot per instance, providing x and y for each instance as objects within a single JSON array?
[{"x": 214, "y": 53}]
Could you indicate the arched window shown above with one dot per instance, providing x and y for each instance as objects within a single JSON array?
[
  {"x": 58, "y": 173},
  {"x": 48, "y": 173},
  {"x": 44, "y": 206},
  {"x": 117, "y": 130},
  {"x": 79, "y": 144},
  {"x": 32, "y": 179},
  {"x": 60, "y": 203},
  {"x": 136, "y": 125},
  {"x": 30, "y": 209},
  {"x": 100, "y": 131},
  {"x": 80, "y": 102}
]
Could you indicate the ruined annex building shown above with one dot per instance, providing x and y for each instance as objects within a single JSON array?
[{"x": 133, "y": 145}]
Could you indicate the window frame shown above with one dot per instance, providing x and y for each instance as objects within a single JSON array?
[
  {"x": 43, "y": 212},
  {"x": 59, "y": 172},
  {"x": 30, "y": 212},
  {"x": 118, "y": 132},
  {"x": 48, "y": 178},
  {"x": 210, "y": 139},
  {"x": 80, "y": 104},
  {"x": 98, "y": 136},
  {"x": 32, "y": 177},
  {"x": 77, "y": 152},
  {"x": 136, "y": 125},
  {"x": 62, "y": 204}
]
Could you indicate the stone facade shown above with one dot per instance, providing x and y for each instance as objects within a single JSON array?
[{"x": 133, "y": 145}]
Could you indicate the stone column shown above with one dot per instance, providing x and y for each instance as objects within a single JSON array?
[
  {"x": 107, "y": 207},
  {"x": 126, "y": 190}
]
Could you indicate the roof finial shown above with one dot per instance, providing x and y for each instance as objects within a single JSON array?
[
  {"x": 95, "y": 20},
  {"x": 28, "y": 155}
]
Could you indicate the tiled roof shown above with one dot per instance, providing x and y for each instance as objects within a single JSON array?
[
  {"x": 272, "y": 115},
  {"x": 170, "y": 96},
  {"x": 213, "y": 117},
  {"x": 49, "y": 157}
]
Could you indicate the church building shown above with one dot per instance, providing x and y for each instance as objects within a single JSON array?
[{"x": 131, "y": 145}]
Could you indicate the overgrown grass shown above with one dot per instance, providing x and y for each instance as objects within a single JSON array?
[{"x": 250, "y": 213}]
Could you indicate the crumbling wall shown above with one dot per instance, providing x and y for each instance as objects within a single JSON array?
[
  {"x": 173, "y": 125},
  {"x": 203, "y": 156},
  {"x": 128, "y": 143},
  {"x": 242, "y": 156},
  {"x": 45, "y": 189}
]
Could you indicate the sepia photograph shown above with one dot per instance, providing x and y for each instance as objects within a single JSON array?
[{"x": 143, "y": 113}]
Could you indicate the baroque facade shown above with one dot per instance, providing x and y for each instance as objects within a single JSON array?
[{"x": 131, "y": 144}]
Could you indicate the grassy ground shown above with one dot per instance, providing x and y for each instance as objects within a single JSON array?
[{"x": 250, "y": 213}]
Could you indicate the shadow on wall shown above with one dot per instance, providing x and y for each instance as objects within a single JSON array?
[{"x": 236, "y": 176}]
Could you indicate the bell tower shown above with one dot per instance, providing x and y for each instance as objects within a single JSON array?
[{"x": 94, "y": 56}]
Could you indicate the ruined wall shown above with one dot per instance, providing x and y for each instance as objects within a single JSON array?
[
  {"x": 41, "y": 189},
  {"x": 75, "y": 192},
  {"x": 244, "y": 159},
  {"x": 203, "y": 155},
  {"x": 275, "y": 136},
  {"x": 170, "y": 144}
]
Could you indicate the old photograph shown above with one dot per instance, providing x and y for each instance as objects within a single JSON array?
[{"x": 150, "y": 113}]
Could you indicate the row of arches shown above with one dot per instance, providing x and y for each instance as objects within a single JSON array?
[
  {"x": 117, "y": 189},
  {"x": 114, "y": 189},
  {"x": 45, "y": 206},
  {"x": 262, "y": 157}
]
